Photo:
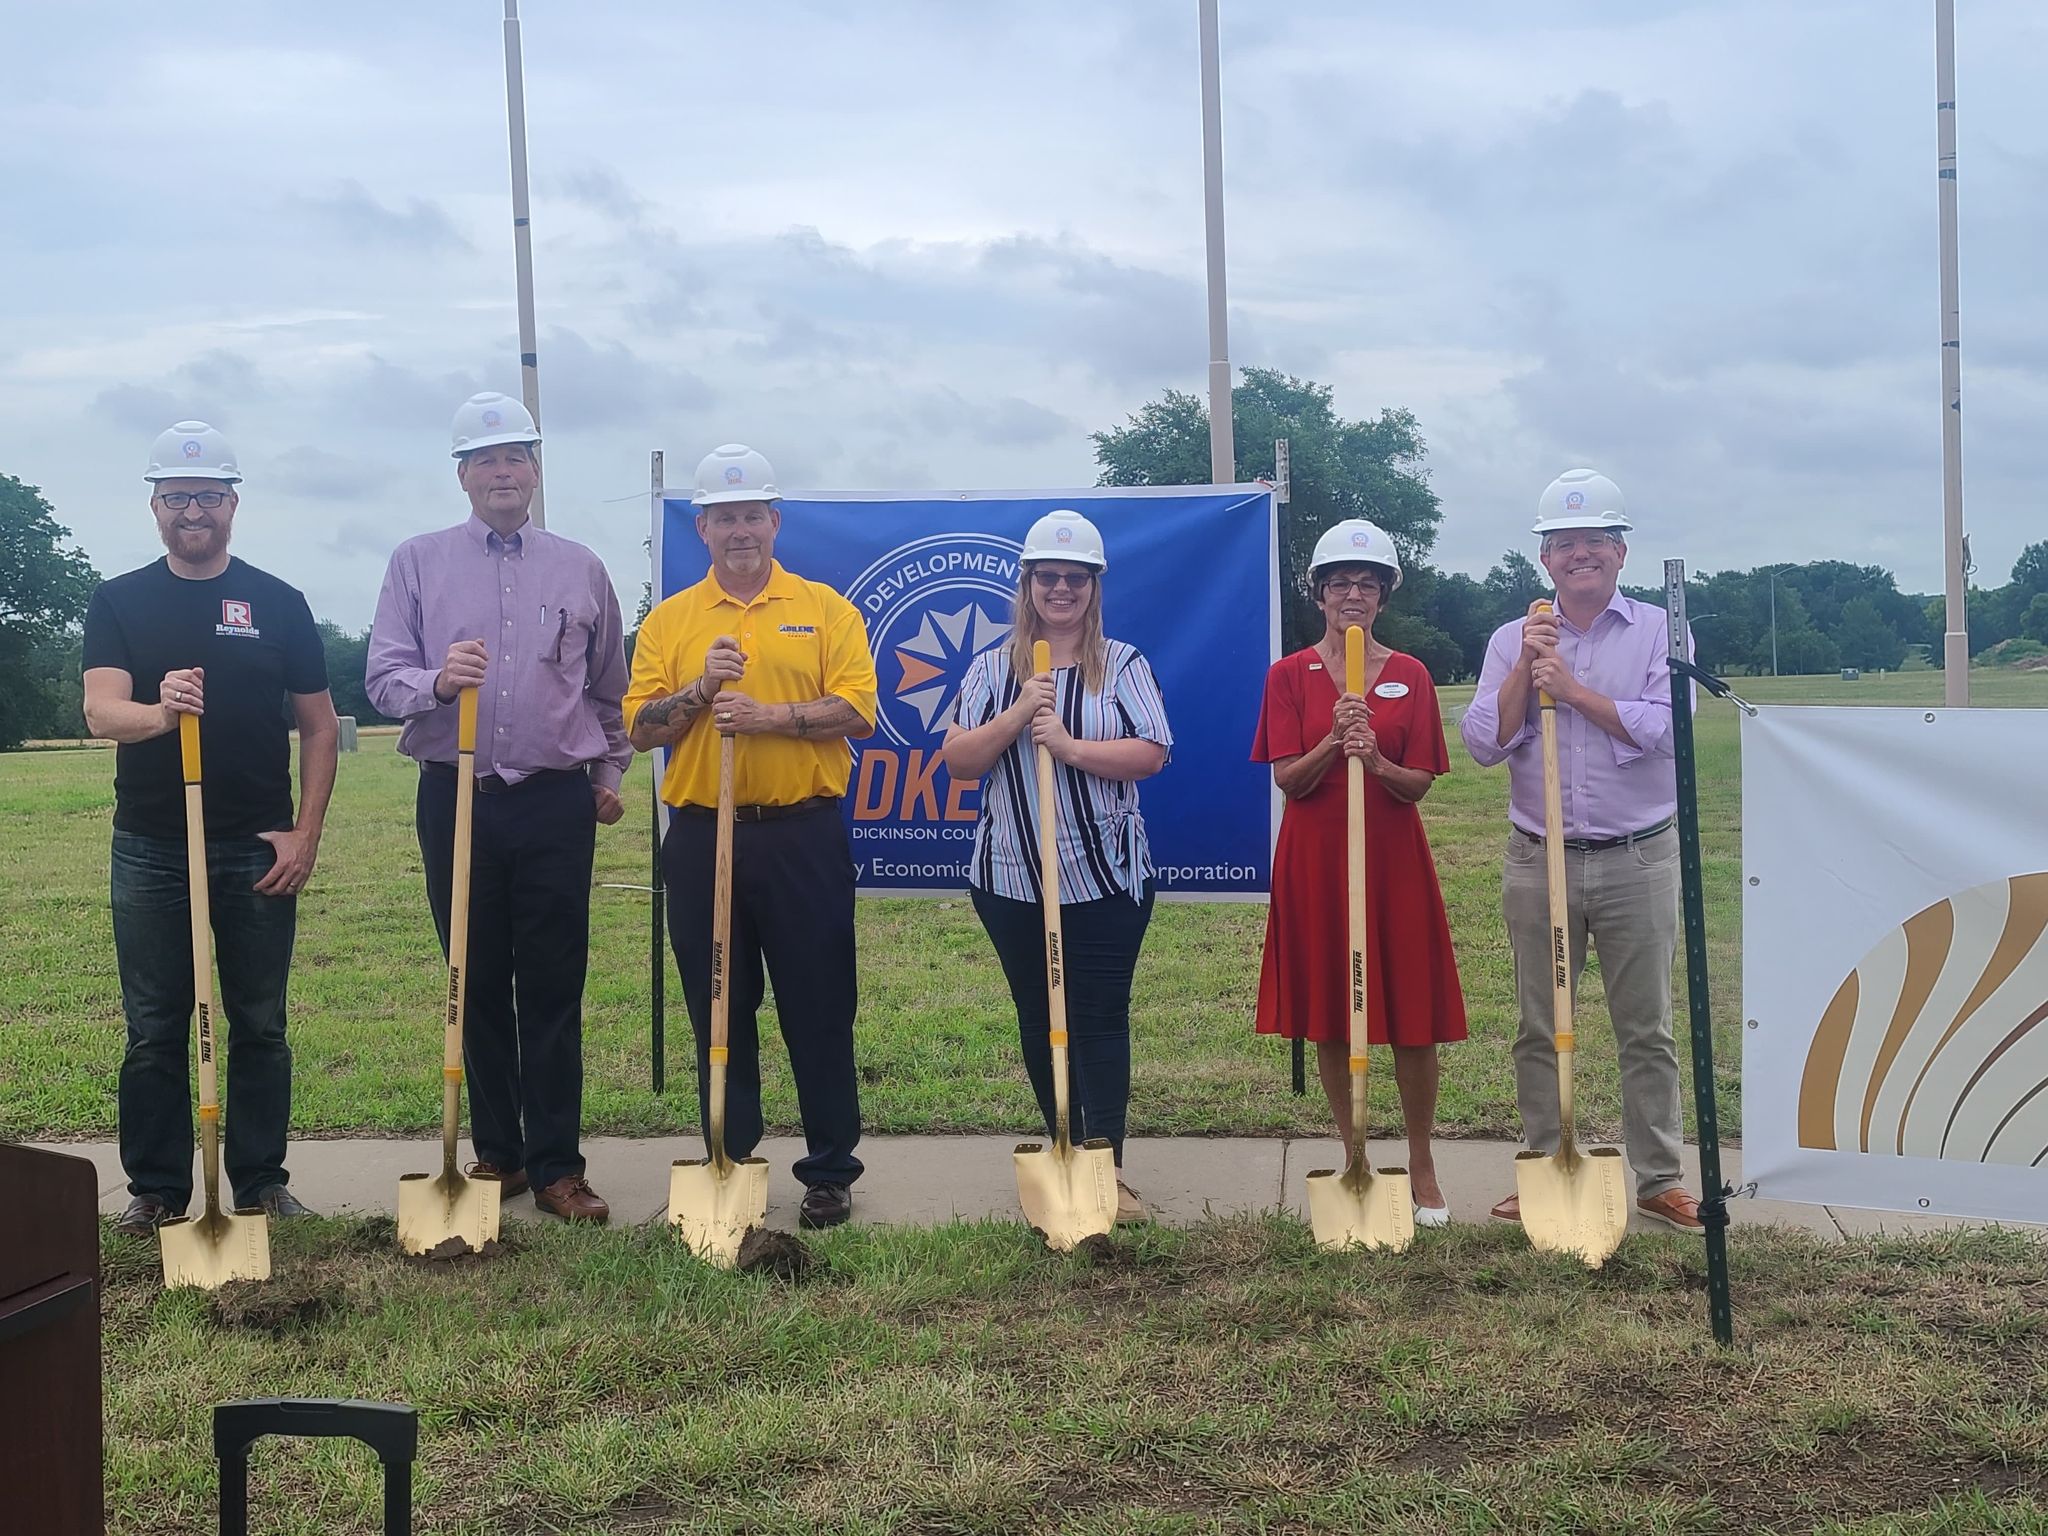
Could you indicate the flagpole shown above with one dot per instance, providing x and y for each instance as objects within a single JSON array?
[
  {"x": 522, "y": 233},
  {"x": 1955, "y": 642},
  {"x": 1222, "y": 435}
]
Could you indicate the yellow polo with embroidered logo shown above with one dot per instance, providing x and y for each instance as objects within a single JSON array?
[{"x": 802, "y": 640}]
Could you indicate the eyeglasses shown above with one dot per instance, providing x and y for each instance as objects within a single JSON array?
[
  {"x": 1345, "y": 586},
  {"x": 178, "y": 501},
  {"x": 1561, "y": 544},
  {"x": 1073, "y": 581}
]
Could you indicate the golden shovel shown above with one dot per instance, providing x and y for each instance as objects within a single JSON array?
[
  {"x": 716, "y": 1200},
  {"x": 1571, "y": 1202},
  {"x": 1068, "y": 1192},
  {"x": 434, "y": 1208},
  {"x": 217, "y": 1246},
  {"x": 1358, "y": 1208}
]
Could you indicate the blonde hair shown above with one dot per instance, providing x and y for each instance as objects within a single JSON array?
[{"x": 1093, "y": 651}]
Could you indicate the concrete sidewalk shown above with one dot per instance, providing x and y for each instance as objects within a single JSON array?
[{"x": 923, "y": 1180}]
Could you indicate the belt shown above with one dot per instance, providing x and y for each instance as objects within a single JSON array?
[
  {"x": 1600, "y": 844},
  {"x": 492, "y": 784},
  {"x": 764, "y": 812}
]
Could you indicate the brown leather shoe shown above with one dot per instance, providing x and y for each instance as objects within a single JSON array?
[
  {"x": 1509, "y": 1209},
  {"x": 571, "y": 1198},
  {"x": 510, "y": 1182},
  {"x": 1675, "y": 1208}
]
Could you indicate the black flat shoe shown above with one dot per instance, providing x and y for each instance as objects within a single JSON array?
[{"x": 825, "y": 1205}]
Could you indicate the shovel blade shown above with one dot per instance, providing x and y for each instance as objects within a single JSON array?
[
  {"x": 1574, "y": 1204},
  {"x": 211, "y": 1249},
  {"x": 1357, "y": 1208},
  {"x": 433, "y": 1207},
  {"x": 1069, "y": 1196},
  {"x": 715, "y": 1206}
]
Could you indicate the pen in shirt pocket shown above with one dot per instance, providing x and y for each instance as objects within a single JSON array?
[{"x": 561, "y": 629}]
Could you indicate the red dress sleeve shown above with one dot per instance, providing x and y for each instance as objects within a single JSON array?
[
  {"x": 1426, "y": 749},
  {"x": 1279, "y": 732}
]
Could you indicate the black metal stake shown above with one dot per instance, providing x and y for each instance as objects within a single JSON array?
[
  {"x": 1300, "y": 1068},
  {"x": 1714, "y": 1204}
]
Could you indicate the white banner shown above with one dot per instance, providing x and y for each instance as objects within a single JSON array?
[{"x": 1895, "y": 959}]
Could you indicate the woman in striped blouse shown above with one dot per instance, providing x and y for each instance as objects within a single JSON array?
[{"x": 1100, "y": 714}]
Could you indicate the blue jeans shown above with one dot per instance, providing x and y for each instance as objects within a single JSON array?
[{"x": 252, "y": 945}]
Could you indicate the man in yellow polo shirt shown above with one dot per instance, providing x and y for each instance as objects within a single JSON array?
[{"x": 756, "y": 652}]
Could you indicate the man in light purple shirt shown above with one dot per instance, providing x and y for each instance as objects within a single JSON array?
[
  {"x": 1603, "y": 657},
  {"x": 529, "y": 620}
]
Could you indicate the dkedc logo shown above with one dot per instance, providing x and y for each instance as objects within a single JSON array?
[{"x": 932, "y": 606}]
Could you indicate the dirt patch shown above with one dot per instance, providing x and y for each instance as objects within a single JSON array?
[
  {"x": 775, "y": 1253},
  {"x": 283, "y": 1304}
]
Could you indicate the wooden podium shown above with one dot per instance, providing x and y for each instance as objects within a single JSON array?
[{"x": 50, "y": 1346}]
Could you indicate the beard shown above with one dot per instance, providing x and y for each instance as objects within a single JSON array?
[{"x": 194, "y": 545}]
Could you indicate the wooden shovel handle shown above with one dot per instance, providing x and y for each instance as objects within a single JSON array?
[
  {"x": 1049, "y": 886},
  {"x": 1553, "y": 853},
  {"x": 198, "y": 896}
]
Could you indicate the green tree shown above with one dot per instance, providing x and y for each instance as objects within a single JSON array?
[
  {"x": 1372, "y": 469},
  {"x": 1865, "y": 640},
  {"x": 2030, "y": 571},
  {"x": 44, "y": 589},
  {"x": 2034, "y": 624},
  {"x": 347, "y": 655}
]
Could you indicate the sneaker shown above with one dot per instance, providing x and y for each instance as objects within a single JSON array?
[
  {"x": 280, "y": 1204},
  {"x": 144, "y": 1215},
  {"x": 1130, "y": 1210},
  {"x": 825, "y": 1205}
]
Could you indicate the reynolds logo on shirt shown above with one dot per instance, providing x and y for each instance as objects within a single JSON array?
[
  {"x": 236, "y": 619},
  {"x": 796, "y": 629}
]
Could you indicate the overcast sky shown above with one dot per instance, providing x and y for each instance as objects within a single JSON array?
[{"x": 911, "y": 244}]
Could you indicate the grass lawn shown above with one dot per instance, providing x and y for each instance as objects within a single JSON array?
[
  {"x": 936, "y": 1035},
  {"x": 1230, "y": 1377}
]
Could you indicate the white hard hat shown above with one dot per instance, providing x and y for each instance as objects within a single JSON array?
[
  {"x": 734, "y": 472},
  {"x": 192, "y": 451},
  {"x": 1356, "y": 542},
  {"x": 1581, "y": 498},
  {"x": 488, "y": 419},
  {"x": 1064, "y": 535}
]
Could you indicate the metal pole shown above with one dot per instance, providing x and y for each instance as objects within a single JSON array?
[
  {"x": 522, "y": 237},
  {"x": 1955, "y": 642},
  {"x": 657, "y": 954},
  {"x": 1222, "y": 431},
  {"x": 1713, "y": 1192},
  {"x": 1774, "y": 623},
  {"x": 1283, "y": 471}
]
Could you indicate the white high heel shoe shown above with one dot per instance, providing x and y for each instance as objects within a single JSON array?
[{"x": 1432, "y": 1215}]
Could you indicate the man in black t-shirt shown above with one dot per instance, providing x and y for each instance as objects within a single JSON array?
[{"x": 201, "y": 633}]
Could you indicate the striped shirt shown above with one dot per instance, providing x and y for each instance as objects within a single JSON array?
[{"x": 1101, "y": 838}]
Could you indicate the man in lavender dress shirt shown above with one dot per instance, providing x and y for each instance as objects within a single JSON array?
[
  {"x": 1602, "y": 657},
  {"x": 529, "y": 620}
]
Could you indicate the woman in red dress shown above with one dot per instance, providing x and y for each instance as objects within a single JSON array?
[{"x": 1307, "y": 726}]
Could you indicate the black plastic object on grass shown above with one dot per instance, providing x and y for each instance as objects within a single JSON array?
[{"x": 392, "y": 1430}]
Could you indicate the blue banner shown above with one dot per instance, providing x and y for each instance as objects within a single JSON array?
[{"x": 1191, "y": 583}]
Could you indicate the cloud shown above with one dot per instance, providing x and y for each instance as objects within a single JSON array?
[
  {"x": 350, "y": 214},
  {"x": 322, "y": 475}
]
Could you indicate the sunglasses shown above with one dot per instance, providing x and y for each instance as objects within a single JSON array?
[
  {"x": 178, "y": 501},
  {"x": 1073, "y": 581}
]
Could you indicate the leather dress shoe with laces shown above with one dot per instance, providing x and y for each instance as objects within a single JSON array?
[
  {"x": 144, "y": 1215},
  {"x": 825, "y": 1205},
  {"x": 280, "y": 1204},
  {"x": 571, "y": 1198}
]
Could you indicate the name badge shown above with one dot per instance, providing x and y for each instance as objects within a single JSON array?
[{"x": 1392, "y": 690}]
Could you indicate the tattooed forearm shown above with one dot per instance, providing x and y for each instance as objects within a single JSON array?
[
  {"x": 824, "y": 717},
  {"x": 662, "y": 721}
]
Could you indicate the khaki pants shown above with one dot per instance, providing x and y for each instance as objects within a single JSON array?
[{"x": 1626, "y": 900}]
